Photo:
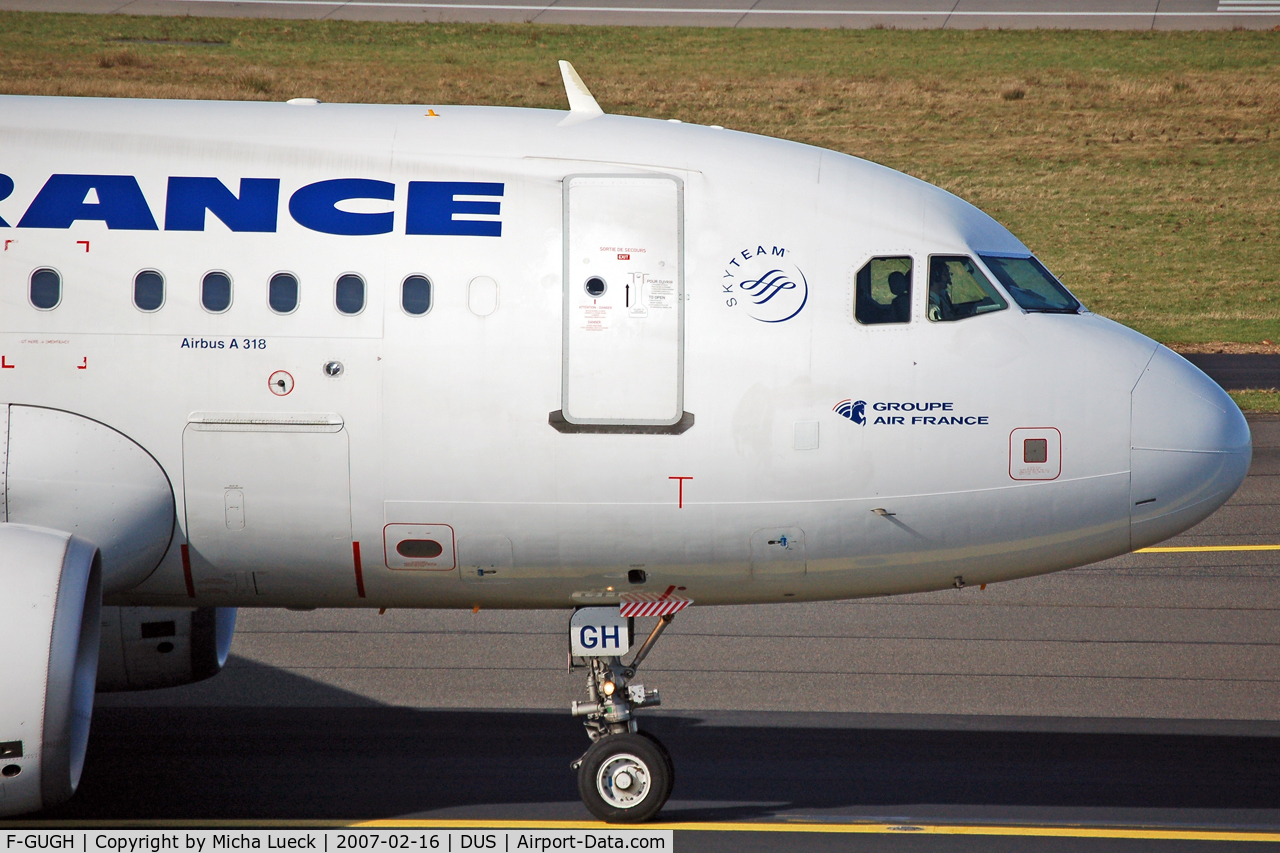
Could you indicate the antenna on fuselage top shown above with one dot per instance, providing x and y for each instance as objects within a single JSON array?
[{"x": 582, "y": 106}]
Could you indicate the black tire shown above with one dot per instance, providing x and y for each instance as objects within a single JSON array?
[
  {"x": 624, "y": 778},
  {"x": 671, "y": 766}
]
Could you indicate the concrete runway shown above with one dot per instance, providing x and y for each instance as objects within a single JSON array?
[
  {"x": 902, "y": 14},
  {"x": 1239, "y": 372},
  {"x": 1143, "y": 691}
]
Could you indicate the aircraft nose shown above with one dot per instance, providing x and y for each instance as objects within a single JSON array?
[{"x": 1190, "y": 449}]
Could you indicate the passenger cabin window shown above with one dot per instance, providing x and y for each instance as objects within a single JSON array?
[
  {"x": 348, "y": 294},
  {"x": 1031, "y": 285},
  {"x": 958, "y": 290},
  {"x": 148, "y": 291},
  {"x": 282, "y": 293},
  {"x": 415, "y": 295},
  {"x": 215, "y": 292},
  {"x": 46, "y": 289},
  {"x": 883, "y": 292}
]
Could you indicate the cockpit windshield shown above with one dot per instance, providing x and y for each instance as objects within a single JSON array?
[
  {"x": 958, "y": 290},
  {"x": 1031, "y": 285}
]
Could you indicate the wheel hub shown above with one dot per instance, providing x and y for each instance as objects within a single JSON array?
[{"x": 623, "y": 781}]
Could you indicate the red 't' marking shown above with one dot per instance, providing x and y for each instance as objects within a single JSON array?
[
  {"x": 186, "y": 571},
  {"x": 6, "y": 244},
  {"x": 6, "y": 364},
  {"x": 84, "y": 365},
  {"x": 355, "y": 556},
  {"x": 681, "y": 479},
  {"x": 84, "y": 243}
]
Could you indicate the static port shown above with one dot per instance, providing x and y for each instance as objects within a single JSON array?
[
  {"x": 164, "y": 648},
  {"x": 10, "y": 770},
  {"x": 637, "y": 576}
]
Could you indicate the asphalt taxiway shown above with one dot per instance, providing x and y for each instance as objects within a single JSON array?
[
  {"x": 1141, "y": 695},
  {"x": 903, "y": 14}
]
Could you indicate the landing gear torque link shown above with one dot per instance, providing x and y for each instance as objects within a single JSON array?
[{"x": 626, "y": 775}]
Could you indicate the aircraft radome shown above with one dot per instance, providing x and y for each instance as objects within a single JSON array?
[{"x": 327, "y": 355}]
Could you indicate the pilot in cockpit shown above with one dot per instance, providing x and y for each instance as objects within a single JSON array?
[
  {"x": 939, "y": 292},
  {"x": 899, "y": 309}
]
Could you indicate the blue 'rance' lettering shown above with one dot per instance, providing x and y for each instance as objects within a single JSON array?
[
  {"x": 6, "y": 188},
  {"x": 254, "y": 210},
  {"x": 117, "y": 200},
  {"x": 432, "y": 206},
  {"x": 314, "y": 206},
  {"x": 61, "y": 202}
]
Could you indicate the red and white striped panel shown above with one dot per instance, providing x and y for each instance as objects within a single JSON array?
[{"x": 651, "y": 604}]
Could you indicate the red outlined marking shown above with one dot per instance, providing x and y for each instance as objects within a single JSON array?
[
  {"x": 681, "y": 479},
  {"x": 84, "y": 364},
  {"x": 5, "y": 364},
  {"x": 1013, "y": 455},
  {"x": 186, "y": 570},
  {"x": 84, "y": 243},
  {"x": 355, "y": 558},
  {"x": 280, "y": 383},
  {"x": 6, "y": 244},
  {"x": 453, "y": 543}
]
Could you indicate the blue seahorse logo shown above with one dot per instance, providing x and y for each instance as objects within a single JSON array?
[{"x": 853, "y": 410}]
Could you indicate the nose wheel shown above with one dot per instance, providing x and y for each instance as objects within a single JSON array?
[
  {"x": 627, "y": 775},
  {"x": 625, "y": 778}
]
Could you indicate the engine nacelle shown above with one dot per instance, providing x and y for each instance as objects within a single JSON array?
[
  {"x": 148, "y": 647},
  {"x": 68, "y": 472},
  {"x": 50, "y": 598}
]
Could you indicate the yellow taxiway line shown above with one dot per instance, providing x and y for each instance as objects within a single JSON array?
[
  {"x": 1196, "y": 549},
  {"x": 1024, "y": 830}
]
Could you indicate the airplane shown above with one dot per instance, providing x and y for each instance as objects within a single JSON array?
[{"x": 310, "y": 355}]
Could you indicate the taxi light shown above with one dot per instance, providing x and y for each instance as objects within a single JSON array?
[{"x": 608, "y": 687}]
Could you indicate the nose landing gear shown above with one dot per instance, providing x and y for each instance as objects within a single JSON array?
[{"x": 626, "y": 775}]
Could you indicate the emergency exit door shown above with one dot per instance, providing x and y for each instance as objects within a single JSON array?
[{"x": 623, "y": 299}]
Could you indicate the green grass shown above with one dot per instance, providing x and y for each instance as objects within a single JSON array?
[
  {"x": 1258, "y": 400},
  {"x": 1143, "y": 168}
]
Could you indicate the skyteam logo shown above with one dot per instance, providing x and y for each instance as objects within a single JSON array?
[
  {"x": 855, "y": 411},
  {"x": 760, "y": 281}
]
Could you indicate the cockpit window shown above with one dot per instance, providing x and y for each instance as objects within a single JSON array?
[
  {"x": 883, "y": 292},
  {"x": 1031, "y": 285},
  {"x": 958, "y": 290}
]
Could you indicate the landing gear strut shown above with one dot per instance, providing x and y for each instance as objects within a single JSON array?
[{"x": 626, "y": 776}]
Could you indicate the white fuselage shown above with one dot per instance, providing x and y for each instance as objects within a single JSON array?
[{"x": 439, "y": 426}]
